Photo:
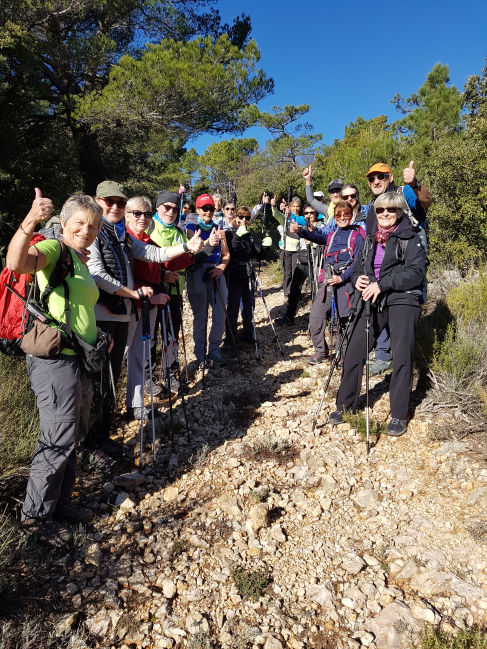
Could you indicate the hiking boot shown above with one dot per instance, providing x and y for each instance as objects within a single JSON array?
[
  {"x": 379, "y": 367},
  {"x": 249, "y": 340},
  {"x": 286, "y": 320},
  {"x": 98, "y": 460},
  {"x": 216, "y": 358},
  {"x": 111, "y": 448},
  {"x": 397, "y": 427},
  {"x": 336, "y": 417},
  {"x": 49, "y": 532},
  {"x": 316, "y": 359},
  {"x": 73, "y": 513}
]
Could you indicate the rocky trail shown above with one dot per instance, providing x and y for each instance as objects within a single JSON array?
[{"x": 256, "y": 532}]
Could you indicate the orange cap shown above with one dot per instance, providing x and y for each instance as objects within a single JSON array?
[{"x": 379, "y": 167}]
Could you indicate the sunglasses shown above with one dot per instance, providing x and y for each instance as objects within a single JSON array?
[
  {"x": 169, "y": 209},
  {"x": 391, "y": 210},
  {"x": 349, "y": 196},
  {"x": 342, "y": 215},
  {"x": 373, "y": 177},
  {"x": 335, "y": 191},
  {"x": 207, "y": 208},
  {"x": 229, "y": 209},
  {"x": 309, "y": 213},
  {"x": 110, "y": 203},
  {"x": 243, "y": 216},
  {"x": 138, "y": 214}
]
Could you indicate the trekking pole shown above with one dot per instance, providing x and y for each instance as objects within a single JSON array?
[
  {"x": 253, "y": 315},
  {"x": 353, "y": 312},
  {"x": 146, "y": 337},
  {"x": 284, "y": 235},
  {"x": 228, "y": 320},
  {"x": 182, "y": 330},
  {"x": 367, "y": 330},
  {"x": 110, "y": 369},
  {"x": 267, "y": 310},
  {"x": 168, "y": 376},
  {"x": 206, "y": 331},
  {"x": 178, "y": 371}
]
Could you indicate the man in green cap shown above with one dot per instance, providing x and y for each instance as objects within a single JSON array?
[{"x": 111, "y": 264}]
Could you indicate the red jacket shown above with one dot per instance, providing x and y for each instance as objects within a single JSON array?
[{"x": 147, "y": 273}]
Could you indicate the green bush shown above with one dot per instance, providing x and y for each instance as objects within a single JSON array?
[
  {"x": 19, "y": 420},
  {"x": 468, "y": 302},
  {"x": 250, "y": 583},
  {"x": 434, "y": 638}
]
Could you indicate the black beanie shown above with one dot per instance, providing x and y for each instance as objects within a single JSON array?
[{"x": 167, "y": 197}]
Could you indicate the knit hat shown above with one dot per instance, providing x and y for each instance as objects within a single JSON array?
[{"x": 167, "y": 197}]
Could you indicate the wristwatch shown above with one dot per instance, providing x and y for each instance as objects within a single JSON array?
[
  {"x": 417, "y": 185},
  {"x": 186, "y": 249},
  {"x": 140, "y": 293}
]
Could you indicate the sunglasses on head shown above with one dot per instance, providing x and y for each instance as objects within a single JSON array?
[
  {"x": 110, "y": 203},
  {"x": 391, "y": 210},
  {"x": 138, "y": 214},
  {"x": 349, "y": 196},
  {"x": 374, "y": 177},
  {"x": 207, "y": 208}
]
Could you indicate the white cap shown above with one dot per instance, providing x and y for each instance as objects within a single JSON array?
[{"x": 319, "y": 194}]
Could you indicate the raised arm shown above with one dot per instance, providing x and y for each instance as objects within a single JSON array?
[
  {"x": 316, "y": 205},
  {"x": 21, "y": 257}
]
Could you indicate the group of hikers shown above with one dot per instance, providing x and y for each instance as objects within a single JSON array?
[{"x": 111, "y": 265}]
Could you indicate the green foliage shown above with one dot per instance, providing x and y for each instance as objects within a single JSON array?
[
  {"x": 468, "y": 302},
  {"x": 359, "y": 423},
  {"x": 433, "y": 110},
  {"x": 434, "y": 638},
  {"x": 19, "y": 424},
  {"x": 250, "y": 583},
  {"x": 275, "y": 271},
  {"x": 224, "y": 163},
  {"x": 178, "y": 88}
]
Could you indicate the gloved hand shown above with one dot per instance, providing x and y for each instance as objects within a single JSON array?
[
  {"x": 242, "y": 231},
  {"x": 267, "y": 242}
]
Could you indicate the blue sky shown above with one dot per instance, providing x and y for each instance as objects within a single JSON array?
[{"x": 349, "y": 59}]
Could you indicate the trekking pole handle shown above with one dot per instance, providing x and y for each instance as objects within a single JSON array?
[
  {"x": 367, "y": 308},
  {"x": 145, "y": 317}
]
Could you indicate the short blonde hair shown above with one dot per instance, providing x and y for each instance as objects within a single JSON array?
[{"x": 138, "y": 202}]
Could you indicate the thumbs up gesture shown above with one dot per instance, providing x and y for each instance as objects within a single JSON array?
[
  {"x": 409, "y": 174},
  {"x": 214, "y": 237},
  {"x": 41, "y": 207},
  {"x": 195, "y": 244}
]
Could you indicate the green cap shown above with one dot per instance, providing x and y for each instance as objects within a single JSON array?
[{"x": 110, "y": 188}]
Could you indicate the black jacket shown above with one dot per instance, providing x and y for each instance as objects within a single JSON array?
[
  {"x": 403, "y": 267},
  {"x": 242, "y": 250}
]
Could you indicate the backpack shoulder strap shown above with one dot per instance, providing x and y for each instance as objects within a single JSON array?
[
  {"x": 329, "y": 241},
  {"x": 63, "y": 267}
]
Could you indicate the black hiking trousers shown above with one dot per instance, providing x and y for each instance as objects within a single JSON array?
[{"x": 402, "y": 321}]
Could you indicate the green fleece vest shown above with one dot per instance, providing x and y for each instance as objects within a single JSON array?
[{"x": 167, "y": 237}]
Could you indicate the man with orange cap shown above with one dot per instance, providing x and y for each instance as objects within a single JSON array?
[{"x": 418, "y": 199}]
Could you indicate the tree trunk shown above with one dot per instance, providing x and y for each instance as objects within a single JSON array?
[{"x": 90, "y": 162}]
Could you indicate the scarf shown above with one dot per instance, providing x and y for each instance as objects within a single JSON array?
[
  {"x": 204, "y": 226},
  {"x": 381, "y": 236},
  {"x": 119, "y": 227},
  {"x": 171, "y": 225}
]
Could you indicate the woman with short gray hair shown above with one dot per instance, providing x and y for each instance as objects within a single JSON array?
[
  {"x": 62, "y": 387},
  {"x": 389, "y": 272}
]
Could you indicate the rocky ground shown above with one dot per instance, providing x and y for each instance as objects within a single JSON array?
[{"x": 255, "y": 531}]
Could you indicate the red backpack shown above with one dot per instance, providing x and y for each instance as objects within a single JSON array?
[{"x": 13, "y": 314}]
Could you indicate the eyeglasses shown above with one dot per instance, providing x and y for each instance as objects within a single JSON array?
[
  {"x": 342, "y": 215},
  {"x": 373, "y": 177},
  {"x": 229, "y": 209},
  {"x": 138, "y": 214},
  {"x": 310, "y": 214},
  {"x": 349, "y": 196},
  {"x": 207, "y": 208},
  {"x": 391, "y": 210},
  {"x": 110, "y": 203},
  {"x": 168, "y": 208}
]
